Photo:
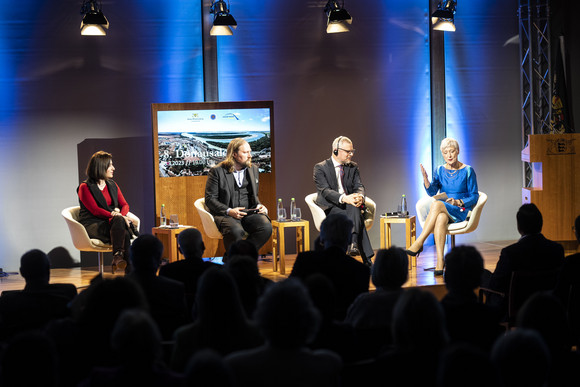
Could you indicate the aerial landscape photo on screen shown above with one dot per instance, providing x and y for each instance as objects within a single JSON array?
[{"x": 193, "y": 141}]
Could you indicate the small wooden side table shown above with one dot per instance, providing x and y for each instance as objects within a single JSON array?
[
  {"x": 410, "y": 233},
  {"x": 278, "y": 246},
  {"x": 168, "y": 236}
]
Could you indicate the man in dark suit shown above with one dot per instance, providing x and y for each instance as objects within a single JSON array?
[
  {"x": 532, "y": 252},
  {"x": 340, "y": 190},
  {"x": 188, "y": 270},
  {"x": 231, "y": 190},
  {"x": 166, "y": 297},
  {"x": 348, "y": 276}
]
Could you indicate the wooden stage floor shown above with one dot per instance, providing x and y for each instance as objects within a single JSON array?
[{"x": 418, "y": 276}]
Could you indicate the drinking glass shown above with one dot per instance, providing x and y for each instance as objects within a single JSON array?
[
  {"x": 173, "y": 220},
  {"x": 297, "y": 215},
  {"x": 281, "y": 214}
]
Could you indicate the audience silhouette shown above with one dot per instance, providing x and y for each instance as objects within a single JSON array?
[
  {"x": 320, "y": 327},
  {"x": 419, "y": 337},
  {"x": 468, "y": 320},
  {"x": 165, "y": 296},
  {"x": 533, "y": 252},
  {"x": 544, "y": 313},
  {"x": 522, "y": 359},
  {"x": 188, "y": 270},
  {"x": 349, "y": 276},
  {"x": 221, "y": 323},
  {"x": 371, "y": 314},
  {"x": 288, "y": 321},
  {"x": 39, "y": 302},
  {"x": 136, "y": 342}
]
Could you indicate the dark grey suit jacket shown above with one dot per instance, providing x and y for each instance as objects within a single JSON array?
[
  {"x": 327, "y": 183},
  {"x": 219, "y": 189}
]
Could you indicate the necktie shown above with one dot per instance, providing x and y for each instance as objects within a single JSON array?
[{"x": 342, "y": 178}]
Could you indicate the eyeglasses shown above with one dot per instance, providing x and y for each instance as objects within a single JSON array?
[{"x": 350, "y": 152}]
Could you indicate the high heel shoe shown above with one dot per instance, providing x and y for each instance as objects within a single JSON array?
[{"x": 414, "y": 253}]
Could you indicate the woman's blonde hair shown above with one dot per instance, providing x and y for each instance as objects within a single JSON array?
[
  {"x": 449, "y": 142},
  {"x": 233, "y": 147}
]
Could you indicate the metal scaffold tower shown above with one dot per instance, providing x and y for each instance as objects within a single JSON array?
[{"x": 535, "y": 72}]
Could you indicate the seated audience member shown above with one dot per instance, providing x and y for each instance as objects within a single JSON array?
[
  {"x": 349, "y": 276},
  {"x": 220, "y": 325},
  {"x": 333, "y": 335},
  {"x": 136, "y": 342},
  {"x": 371, "y": 314},
  {"x": 570, "y": 274},
  {"x": 521, "y": 359},
  {"x": 544, "y": 313},
  {"x": 251, "y": 285},
  {"x": 532, "y": 252},
  {"x": 468, "y": 320},
  {"x": 208, "y": 368},
  {"x": 419, "y": 337},
  {"x": 188, "y": 270},
  {"x": 39, "y": 302},
  {"x": 463, "y": 364},
  {"x": 85, "y": 341},
  {"x": 165, "y": 296},
  {"x": 288, "y": 321},
  {"x": 231, "y": 189},
  {"x": 30, "y": 359}
]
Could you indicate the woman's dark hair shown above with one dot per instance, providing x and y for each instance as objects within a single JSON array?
[{"x": 98, "y": 165}]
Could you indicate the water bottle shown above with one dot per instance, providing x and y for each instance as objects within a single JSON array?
[
  {"x": 280, "y": 210},
  {"x": 162, "y": 217},
  {"x": 293, "y": 209},
  {"x": 404, "y": 205}
]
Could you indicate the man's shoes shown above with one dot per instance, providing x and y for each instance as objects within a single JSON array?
[{"x": 353, "y": 250}]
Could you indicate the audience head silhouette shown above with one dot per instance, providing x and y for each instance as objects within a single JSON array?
[
  {"x": 529, "y": 219},
  {"x": 521, "y": 358},
  {"x": 207, "y": 368},
  {"x": 577, "y": 228},
  {"x": 286, "y": 316},
  {"x": 545, "y": 313},
  {"x": 336, "y": 230},
  {"x": 243, "y": 247},
  {"x": 35, "y": 267},
  {"x": 146, "y": 253},
  {"x": 463, "y": 269},
  {"x": 191, "y": 243},
  {"x": 30, "y": 359},
  {"x": 218, "y": 301},
  {"x": 465, "y": 365},
  {"x": 391, "y": 268},
  {"x": 136, "y": 339},
  {"x": 419, "y": 322}
]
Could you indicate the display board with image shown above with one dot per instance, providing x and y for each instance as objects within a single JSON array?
[{"x": 191, "y": 138}]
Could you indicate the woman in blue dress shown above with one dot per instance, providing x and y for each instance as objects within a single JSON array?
[{"x": 459, "y": 182}]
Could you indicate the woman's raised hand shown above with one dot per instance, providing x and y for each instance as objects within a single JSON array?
[{"x": 425, "y": 176}]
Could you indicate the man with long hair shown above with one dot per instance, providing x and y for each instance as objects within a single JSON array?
[{"x": 231, "y": 194}]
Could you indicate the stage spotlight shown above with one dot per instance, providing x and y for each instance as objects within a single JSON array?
[
  {"x": 442, "y": 19},
  {"x": 94, "y": 22},
  {"x": 338, "y": 17},
  {"x": 223, "y": 22}
]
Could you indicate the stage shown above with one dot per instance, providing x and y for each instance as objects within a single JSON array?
[{"x": 418, "y": 276}]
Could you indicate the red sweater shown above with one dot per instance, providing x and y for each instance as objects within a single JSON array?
[{"x": 89, "y": 201}]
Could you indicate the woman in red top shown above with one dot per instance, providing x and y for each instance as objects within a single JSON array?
[{"x": 104, "y": 210}]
